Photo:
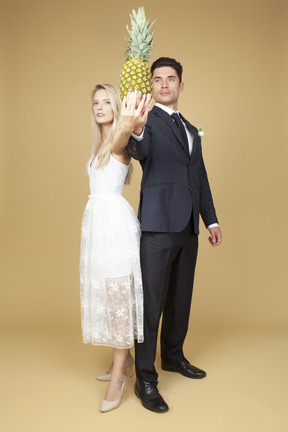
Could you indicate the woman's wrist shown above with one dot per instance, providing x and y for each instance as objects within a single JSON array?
[{"x": 126, "y": 131}]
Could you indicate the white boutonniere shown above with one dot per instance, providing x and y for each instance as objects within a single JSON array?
[{"x": 201, "y": 132}]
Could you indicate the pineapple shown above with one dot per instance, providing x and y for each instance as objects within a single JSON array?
[{"x": 135, "y": 74}]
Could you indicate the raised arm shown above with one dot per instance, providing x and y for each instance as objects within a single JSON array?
[{"x": 134, "y": 112}]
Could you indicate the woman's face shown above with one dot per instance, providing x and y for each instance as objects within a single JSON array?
[{"x": 102, "y": 108}]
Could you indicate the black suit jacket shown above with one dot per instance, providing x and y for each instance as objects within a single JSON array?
[{"x": 174, "y": 184}]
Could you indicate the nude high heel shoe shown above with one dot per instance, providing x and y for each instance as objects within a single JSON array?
[
  {"x": 107, "y": 405},
  {"x": 129, "y": 363}
]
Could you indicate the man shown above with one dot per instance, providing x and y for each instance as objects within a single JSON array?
[{"x": 174, "y": 191}]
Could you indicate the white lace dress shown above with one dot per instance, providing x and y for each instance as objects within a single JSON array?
[{"x": 110, "y": 274}]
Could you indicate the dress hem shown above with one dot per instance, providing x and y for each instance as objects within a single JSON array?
[{"x": 113, "y": 346}]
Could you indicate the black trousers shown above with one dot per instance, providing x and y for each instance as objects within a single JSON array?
[{"x": 168, "y": 265}]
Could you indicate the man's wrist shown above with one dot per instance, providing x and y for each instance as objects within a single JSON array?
[
  {"x": 138, "y": 137},
  {"x": 212, "y": 225},
  {"x": 138, "y": 131}
]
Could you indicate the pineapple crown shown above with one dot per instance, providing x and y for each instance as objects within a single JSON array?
[{"x": 140, "y": 43}]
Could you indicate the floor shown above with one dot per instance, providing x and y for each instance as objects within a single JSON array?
[{"x": 48, "y": 384}]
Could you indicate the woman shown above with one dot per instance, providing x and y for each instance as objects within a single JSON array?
[{"x": 110, "y": 275}]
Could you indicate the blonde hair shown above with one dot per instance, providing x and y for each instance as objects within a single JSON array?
[{"x": 101, "y": 146}]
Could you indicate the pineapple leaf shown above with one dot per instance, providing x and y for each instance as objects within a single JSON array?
[{"x": 140, "y": 42}]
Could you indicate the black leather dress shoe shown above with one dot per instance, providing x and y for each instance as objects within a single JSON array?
[
  {"x": 150, "y": 396},
  {"x": 184, "y": 368}
]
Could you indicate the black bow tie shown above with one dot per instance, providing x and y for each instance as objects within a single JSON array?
[{"x": 180, "y": 126}]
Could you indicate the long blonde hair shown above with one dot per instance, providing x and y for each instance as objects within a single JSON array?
[{"x": 101, "y": 146}]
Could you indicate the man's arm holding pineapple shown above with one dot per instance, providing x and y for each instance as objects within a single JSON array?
[{"x": 139, "y": 142}]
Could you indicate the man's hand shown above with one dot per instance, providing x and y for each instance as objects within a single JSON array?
[{"x": 216, "y": 236}]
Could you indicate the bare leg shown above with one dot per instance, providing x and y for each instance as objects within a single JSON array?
[
  {"x": 111, "y": 367},
  {"x": 117, "y": 290},
  {"x": 115, "y": 384}
]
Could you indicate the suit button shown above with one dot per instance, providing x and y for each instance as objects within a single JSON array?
[{"x": 190, "y": 188}]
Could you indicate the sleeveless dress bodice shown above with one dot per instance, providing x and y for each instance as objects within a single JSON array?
[{"x": 108, "y": 179}]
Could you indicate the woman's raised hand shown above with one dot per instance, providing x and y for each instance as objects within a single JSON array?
[{"x": 134, "y": 112}]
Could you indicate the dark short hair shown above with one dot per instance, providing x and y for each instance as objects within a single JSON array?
[{"x": 170, "y": 62}]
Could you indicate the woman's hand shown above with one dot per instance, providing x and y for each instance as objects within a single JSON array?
[{"x": 134, "y": 111}]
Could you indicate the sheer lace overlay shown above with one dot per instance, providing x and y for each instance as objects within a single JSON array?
[{"x": 110, "y": 274}]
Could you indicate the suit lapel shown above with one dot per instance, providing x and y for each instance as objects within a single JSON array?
[{"x": 169, "y": 121}]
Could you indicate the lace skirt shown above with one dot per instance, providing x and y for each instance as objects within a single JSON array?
[{"x": 110, "y": 275}]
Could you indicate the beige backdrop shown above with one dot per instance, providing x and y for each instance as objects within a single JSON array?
[
  {"x": 234, "y": 55},
  {"x": 235, "y": 87}
]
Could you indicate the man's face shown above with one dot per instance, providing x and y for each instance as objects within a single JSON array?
[{"x": 166, "y": 87}]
